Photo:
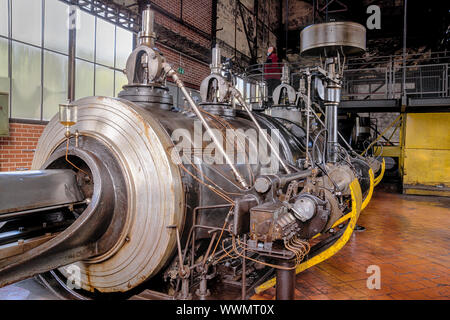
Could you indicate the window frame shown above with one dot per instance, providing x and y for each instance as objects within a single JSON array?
[{"x": 43, "y": 49}]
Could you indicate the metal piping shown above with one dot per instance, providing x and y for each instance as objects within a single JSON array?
[
  {"x": 241, "y": 100},
  {"x": 170, "y": 72},
  {"x": 308, "y": 108},
  {"x": 331, "y": 121},
  {"x": 72, "y": 51},
  {"x": 147, "y": 35},
  {"x": 216, "y": 64}
]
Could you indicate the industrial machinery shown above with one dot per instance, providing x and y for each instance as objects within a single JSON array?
[
  {"x": 129, "y": 197},
  {"x": 314, "y": 104}
]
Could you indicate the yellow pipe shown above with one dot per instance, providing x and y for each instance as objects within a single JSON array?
[
  {"x": 372, "y": 185},
  {"x": 354, "y": 215},
  {"x": 380, "y": 176}
]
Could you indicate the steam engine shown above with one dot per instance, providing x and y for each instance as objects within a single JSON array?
[{"x": 124, "y": 199}]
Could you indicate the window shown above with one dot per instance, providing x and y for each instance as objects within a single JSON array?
[
  {"x": 120, "y": 81},
  {"x": 84, "y": 79},
  {"x": 85, "y": 36},
  {"x": 4, "y": 80},
  {"x": 39, "y": 46},
  {"x": 27, "y": 29},
  {"x": 4, "y": 18},
  {"x": 55, "y": 83},
  {"x": 124, "y": 46},
  {"x": 104, "y": 47},
  {"x": 56, "y": 35},
  {"x": 104, "y": 81},
  {"x": 26, "y": 81}
]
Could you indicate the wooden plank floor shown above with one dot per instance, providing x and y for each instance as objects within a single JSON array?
[{"x": 408, "y": 237}]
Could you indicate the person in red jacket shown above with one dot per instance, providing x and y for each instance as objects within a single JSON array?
[{"x": 272, "y": 71}]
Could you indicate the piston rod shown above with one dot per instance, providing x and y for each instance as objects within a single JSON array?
[
  {"x": 241, "y": 100},
  {"x": 169, "y": 70},
  {"x": 30, "y": 190}
]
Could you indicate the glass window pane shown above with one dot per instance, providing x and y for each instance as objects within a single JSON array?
[
  {"x": 121, "y": 80},
  {"x": 84, "y": 79},
  {"x": 26, "y": 82},
  {"x": 55, "y": 83},
  {"x": 27, "y": 21},
  {"x": 105, "y": 43},
  {"x": 124, "y": 46},
  {"x": 3, "y": 57},
  {"x": 56, "y": 35},
  {"x": 104, "y": 81},
  {"x": 86, "y": 36},
  {"x": 4, "y": 80},
  {"x": 4, "y": 17}
]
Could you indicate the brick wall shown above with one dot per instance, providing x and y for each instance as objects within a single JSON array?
[
  {"x": 17, "y": 150},
  {"x": 195, "y": 71},
  {"x": 197, "y": 13}
]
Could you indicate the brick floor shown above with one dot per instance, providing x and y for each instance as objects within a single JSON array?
[{"x": 406, "y": 236}]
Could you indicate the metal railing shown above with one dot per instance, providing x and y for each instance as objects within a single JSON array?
[
  {"x": 421, "y": 81},
  {"x": 421, "y": 75}
]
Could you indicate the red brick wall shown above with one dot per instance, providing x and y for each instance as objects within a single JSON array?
[
  {"x": 172, "y": 6},
  {"x": 197, "y": 13},
  {"x": 195, "y": 71},
  {"x": 17, "y": 150}
]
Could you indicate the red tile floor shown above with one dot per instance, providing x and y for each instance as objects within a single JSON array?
[{"x": 408, "y": 237}]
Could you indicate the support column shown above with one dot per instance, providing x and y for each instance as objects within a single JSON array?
[
  {"x": 285, "y": 288},
  {"x": 332, "y": 132},
  {"x": 72, "y": 53}
]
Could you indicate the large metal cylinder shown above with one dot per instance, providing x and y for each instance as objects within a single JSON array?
[
  {"x": 332, "y": 131},
  {"x": 160, "y": 194},
  {"x": 147, "y": 35},
  {"x": 333, "y": 37},
  {"x": 153, "y": 188}
]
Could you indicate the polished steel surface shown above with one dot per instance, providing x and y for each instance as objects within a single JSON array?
[
  {"x": 332, "y": 131},
  {"x": 93, "y": 233},
  {"x": 147, "y": 35},
  {"x": 288, "y": 90},
  {"x": 157, "y": 189},
  {"x": 332, "y": 37},
  {"x": 153, "y": 187},
  {"x": 24, "y": 190}
]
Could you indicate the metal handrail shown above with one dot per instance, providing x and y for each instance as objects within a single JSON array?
[{"x": 382, "y": 80}]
